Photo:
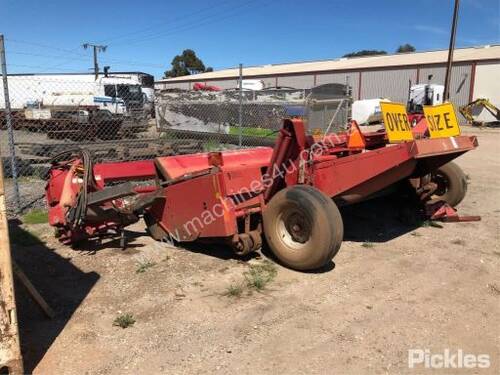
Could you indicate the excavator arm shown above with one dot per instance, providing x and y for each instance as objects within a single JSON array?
[{"x": 466, "y": 110}]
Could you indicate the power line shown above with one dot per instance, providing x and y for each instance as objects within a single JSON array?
[
  {"x": 37, "y": 67},
  {"x": 177, "y": 19},
  {"x": 45, "y": 46},
  {"x": 117, "y": 61},
  {"x": 196, "y": 23},
  {"x": 214, "y": 18},
  {"x": 46, "y": 56}
]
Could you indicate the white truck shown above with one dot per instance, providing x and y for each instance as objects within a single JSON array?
[
  {"x": 65, "y": 104},
  {"x": 424, "y": 94},
  {"x": 367, "y": 111}
]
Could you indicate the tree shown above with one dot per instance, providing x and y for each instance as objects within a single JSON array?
[
  {"x": 365, "y": 52},
  {"x": 185, "y": 64},
  {"x": 405, "y": 48}
]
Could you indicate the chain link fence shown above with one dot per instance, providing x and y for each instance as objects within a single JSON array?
[
  {"x": 114, "y": 119},
  {"x": 226, "y": 118},
  {"x": 53, "y": 113}
]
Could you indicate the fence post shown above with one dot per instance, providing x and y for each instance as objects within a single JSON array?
[
  {"x": 10, "y": 351},
  {"x": 10, "y": 131},
  {"x": 240, "y": 112}
]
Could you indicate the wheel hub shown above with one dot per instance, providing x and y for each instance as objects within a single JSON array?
[
  {"x": 295, "y": 228},
  {"x": 442, "y": 184}
]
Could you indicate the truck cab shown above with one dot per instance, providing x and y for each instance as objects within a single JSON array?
[
  {"x": 424, "y": 94},
  {"x": 130, "y": 92}
]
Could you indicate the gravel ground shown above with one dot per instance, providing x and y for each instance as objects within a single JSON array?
[{"x": 391, "y": 289}]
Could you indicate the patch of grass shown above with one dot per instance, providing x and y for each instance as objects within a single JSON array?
[
  {"x": 254, "y": 132},
  {"x": 367, "y": 244},
  {"x": 234, "y": 290},
  {"x": 458, "y": 242},
  {"x": 259, "y": 275},
  {"x": 143, "y": 266},
  {"x": 124, "y": 320},
  {"x": 415, "y": 234},
  {"x": 36, "y": 216}
]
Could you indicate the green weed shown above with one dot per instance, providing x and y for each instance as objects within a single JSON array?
[
  {"x": 234, "y": 290},
  {"x": 124, "y": 320},
  {"x": 36, "y": 216},
  {"x": 259, "y": 275},
  {"x": 143, "y": 266}
]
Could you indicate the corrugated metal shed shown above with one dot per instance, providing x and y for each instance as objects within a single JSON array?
[{"x": 477, "y": 54}]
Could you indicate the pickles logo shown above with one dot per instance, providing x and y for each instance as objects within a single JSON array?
[{"x": 446, "y": 360}]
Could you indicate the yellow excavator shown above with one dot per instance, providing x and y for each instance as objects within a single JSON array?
[{"x": 467, "y": 110}]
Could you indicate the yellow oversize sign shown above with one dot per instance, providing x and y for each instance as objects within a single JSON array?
[
  {"x": 396, "y": 122},
  {"x": 441, "y": 120}
]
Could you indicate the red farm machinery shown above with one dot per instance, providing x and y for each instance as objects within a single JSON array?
[{"x": 288, "y": 194}]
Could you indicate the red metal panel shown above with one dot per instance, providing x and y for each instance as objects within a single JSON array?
[
  {"x": 132, "y": 170},
  {"x": 242, "y": 181},
  {"x": 338, "y": 175},
  {"x": 197, "y": 208},
  {"x": 177, "y": 166},
  {"x": 443, "y": 146},
  {"x": 377, "y": 183},
  {"x": 394, "y": 162}
]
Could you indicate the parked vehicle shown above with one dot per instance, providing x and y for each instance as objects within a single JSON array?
[
  {"x": 76, "y": 115},
  {"x": 472, "y": 112},
  {"x": 51, "y": 102},
  {"x": 367, "y": 111},
  {"x": 424, "y": 94}
]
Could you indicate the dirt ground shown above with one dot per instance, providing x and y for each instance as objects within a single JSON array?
[{"x": 392, "y": 288}]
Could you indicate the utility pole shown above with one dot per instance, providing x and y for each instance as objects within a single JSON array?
[
  {"x": 451, "y": 49},
  {"x": 11, "y": 361},
  {"x": 97, "y": 48},
  {"x": 9, "y": 123},
  {"x": 240, "y": 110}
]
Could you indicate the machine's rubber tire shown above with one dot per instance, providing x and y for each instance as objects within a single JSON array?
[
  {"x": 106, "y": 127},
  {"x": 154, "y": 229},
  {"x": 303, "y": 227},
  {"x": 245, "y": 244},
  {"x": 256, "y": 240},
  {"x": 453, "y": 184}
]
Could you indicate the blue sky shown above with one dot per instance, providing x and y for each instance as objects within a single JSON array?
[{"x": 145, "y": 35}]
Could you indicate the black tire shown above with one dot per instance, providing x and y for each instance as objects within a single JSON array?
[
  {"x": 154, "y": 229},
  {"x": 106, "y": 127},
  {"x": 303, "y": 227},
  {"x": 452, "y": 184}
]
